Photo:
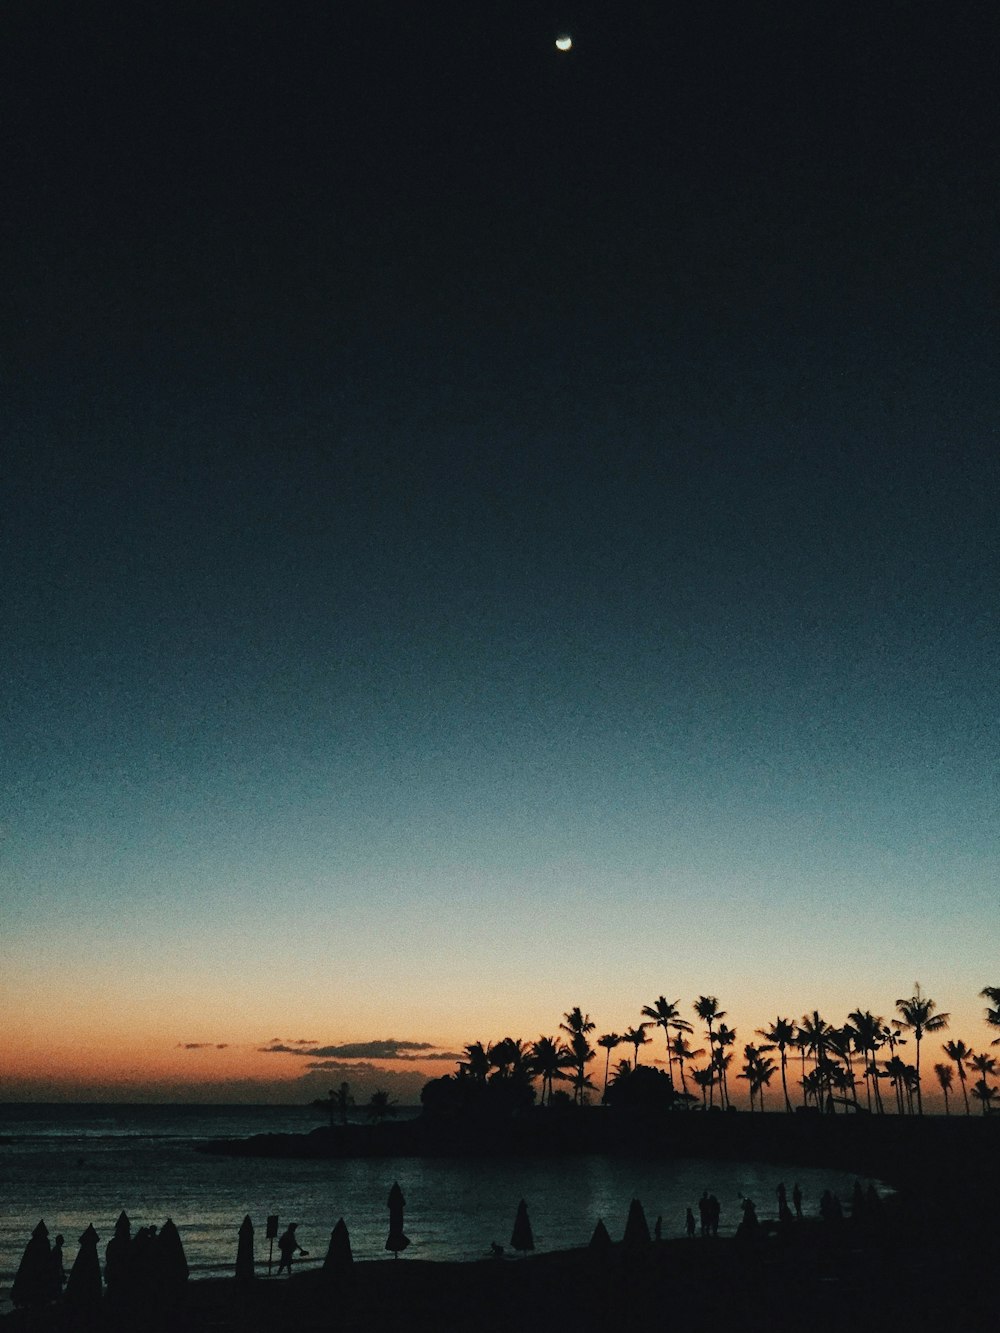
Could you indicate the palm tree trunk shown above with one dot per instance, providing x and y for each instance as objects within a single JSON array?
[{"x": 784, "y": 1081}]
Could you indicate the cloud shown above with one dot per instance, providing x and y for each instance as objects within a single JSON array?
[
  {"x": 386, "y": 1048},
  {"x": 203, "y": 1045}
]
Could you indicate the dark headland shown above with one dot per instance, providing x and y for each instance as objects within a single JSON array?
[{"x": 927, "y": 1257}]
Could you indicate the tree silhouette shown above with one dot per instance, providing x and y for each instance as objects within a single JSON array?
[
  {"x": 868, "y": 1029},
  {"x": 944, "y": 1076},
  {"x": 549, "y": 1058},
  {"x": 706, "y": 1007},
  {"x": 780, "y": 1035},
  {"x": 665, "y": 1014},
  {"x": 992, "y": 993},
  {"x": 959, "y": 1053},
  {"x": 917, "y": 1016},
  {"x": 608, "y": 1042},
  {"x": 682, "y": 1054},
  {"x": 476, "y": 1064},
  {"x": 637, "y": 1036},
  {"x": 380, "y": 1106}
]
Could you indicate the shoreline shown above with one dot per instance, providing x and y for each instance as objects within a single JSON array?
[{"x": 931, "y": 1254}]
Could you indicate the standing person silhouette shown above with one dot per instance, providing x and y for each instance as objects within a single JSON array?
[{"x": 288, "y": 1244}]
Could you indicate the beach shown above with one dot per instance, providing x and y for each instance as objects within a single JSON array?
[{"x": 926, "y": 1255}]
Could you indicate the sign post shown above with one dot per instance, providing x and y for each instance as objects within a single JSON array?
[{"x": 272, "y": 1231}]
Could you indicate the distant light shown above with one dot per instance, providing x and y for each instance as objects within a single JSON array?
[{"x": 564, "y": 42}]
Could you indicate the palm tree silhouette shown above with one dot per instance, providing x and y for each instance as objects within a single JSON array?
[
  {"x": 815, "y": 1035},
  {"x": 706, "y": 1007},
  {"x": 637, "y": 1036},
  {"x": 476, "y": 1064},
  {"x": 666, "y": 1015},
  {"x": 917, "y": 1016},
  {"x": 548, "y": 1059},
  {"x": 944, "y": 1076},
  {"x": 608, "y": 1042},
  {"x": 959, "y": 1053},
  {"x": 984, "y": 1092},
  {"x": 704, "y": 1079},
  {"x": 780, "y": 1035},
  {"x": 682, "y": 1053},
  {"x": 577, "y": 1024},
  {"x": 868, "y": 1029},
  {"x": 992, "y": 993},
  {"x": 724, "y": 1037}
]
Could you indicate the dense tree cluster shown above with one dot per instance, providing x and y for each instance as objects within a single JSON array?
[{"x": 856, "y": 1066}]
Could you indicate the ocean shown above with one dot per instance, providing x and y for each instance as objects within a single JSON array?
[{"x": 72, "y": 1165}]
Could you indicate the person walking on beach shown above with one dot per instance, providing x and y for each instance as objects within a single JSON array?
[{"x": 287, "y": 1246}]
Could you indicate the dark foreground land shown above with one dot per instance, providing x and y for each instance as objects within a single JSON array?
[{"x": 927, "y": 1259}]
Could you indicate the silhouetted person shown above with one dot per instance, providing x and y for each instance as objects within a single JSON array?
[
  {"x": 658, "y": 1229},
  {"x": 689, "y": 1223},
  {"x": 714, "y": 1211},
  {"x": 522, "y": 1238},
  {"x": 857, "y": 1202},
  {"x": 244, "y": 1251},
  {"x": 288, "y": 1247},
  {"x": 57, "y": 1273},
  {"x": 749, "y": 1227},
  {"x": 83, "y": 1290},
  {"x": 705, "y": 1213},
  {"x": 397, "y": 1240},
  {"x": 33, "y": 1281},
  {"x": 797, "y": 1200}
]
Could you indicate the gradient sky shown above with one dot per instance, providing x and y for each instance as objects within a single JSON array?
[{"x": 488, "y": 530}]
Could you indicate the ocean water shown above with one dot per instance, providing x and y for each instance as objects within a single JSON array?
[{"x": 76, "y": 1165}]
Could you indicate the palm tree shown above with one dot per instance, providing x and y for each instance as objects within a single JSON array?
[
  {"x": 992, "y": 993},
  {"x": 608, "y": 1042},
  {"x": 984, "y": 1064},
  {"x": 576, "y": 1023},
  {"x": 704, "y": 1079},
  {"x": 682, "y": 1053},
  {"x": 984, "y": 1092},
  {"x": 917, "y": 1016},
  {"x": 958, "y": 1053},
  {"x": 815, "y": 1035},
  {"x": 666, "y": 1015},
  {"x": 476, "y": 1064},
  {"x": 725, "y": 1036},
  {"x": 944, "y": 1076},
  {"x": 868, "y": 1029},
  {"x": 548, "y": 1059},
  {"x": 895, "y": 1070},
  {"x": 580, "y": 1054},
  {"x": 781, "y": 1035},
  {"x": 637, "y": 1036},
  {"x": 706, "y": 1007},
  {"x": 380, "y": 1105}
]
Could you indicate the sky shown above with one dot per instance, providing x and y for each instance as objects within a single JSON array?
[{"x": 489, "y": 529}]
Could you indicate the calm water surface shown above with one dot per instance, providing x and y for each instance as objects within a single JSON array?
[{"x": 73, "y": 1165}]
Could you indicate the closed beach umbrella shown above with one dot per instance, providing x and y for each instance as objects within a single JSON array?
[
  {"x": 636, "y": 1227},
  {"x": 33, "y": 1280},
  {"x": 600, "y": 1240},
  {"x": 244, "y": 1251},
  {"x": 397, "y": 1241},
  {"x": 521, "y": 1237},
  {"x": 83, "y": 1290},
  {"x": 171, "y": 1260},
  {"x": 339, "y": 1257}
]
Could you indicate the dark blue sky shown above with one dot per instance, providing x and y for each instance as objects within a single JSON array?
[{"x": 455, "y": 483}]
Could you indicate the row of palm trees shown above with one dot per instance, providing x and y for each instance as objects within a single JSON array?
[{"x": 837, "y": 1065}]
